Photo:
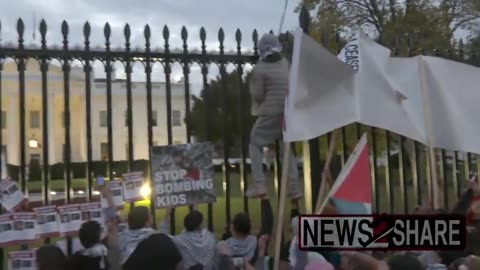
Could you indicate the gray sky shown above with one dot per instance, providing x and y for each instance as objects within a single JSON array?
[{"x": 247, "y": 15}]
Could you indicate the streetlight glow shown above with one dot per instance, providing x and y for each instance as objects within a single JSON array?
[{"x": 145, "y": 191}]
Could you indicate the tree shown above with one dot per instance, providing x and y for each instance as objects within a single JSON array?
[
  {"x": 397, "y": 23},
  {"x": 209, "y": 110}
]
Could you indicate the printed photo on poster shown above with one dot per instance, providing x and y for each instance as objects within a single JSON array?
[
  {"x": 47, "y": 221},
  {"x": 116, "y": 189},
  {"x": 70, "y": 219},
  {"x": 24, "y": 227},
  {"x": 132, "y": 186},
  {"x": 21, "y": 260},
  {"x": 92, "y": 211},
  {"x": 11, "y": 197},
  {"x": 7, "y": 234},
  {"x": 183, "y": 174}
]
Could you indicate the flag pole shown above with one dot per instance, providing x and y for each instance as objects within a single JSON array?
[
  {"x": 281, "y": 205},
  {"x": 325, "y": 180},
  {"x": 431, "y": 150}
]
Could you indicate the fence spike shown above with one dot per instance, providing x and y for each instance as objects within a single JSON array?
[
  {"x": 238, "y": 36},
  {"x": 147, "y": 33},
  {"x": 20, "y": 30},
  {"x": 126, "y": 33},
  {"x": 107, "y": 31},
  {"x": 43, "y": 28},
  {"x": 221, "y": 35},
  {"x": 184, "y": 34},
  {"x": 203, "y": 34},
  {"x": 166, "y": 33},
  {"x": 64, "y": 29},
  {"x": 255, "y": 37},
  {"x": 86, "y": 30}
]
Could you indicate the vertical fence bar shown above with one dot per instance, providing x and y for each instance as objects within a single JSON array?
[
  {"x": 45, "y": 147},
  {"x": 128, "y": 74},
  {"x": 389, "y": 188},
  {"x": 186, "y": 77},
  {"x": 419, "y": 186},
  {"x": 168, "y": 96},
  {"x": 66, "y": 105},
  {"x": 374, "y": 169},
  {"x": 87, "y": 69},
  {"x": 206, "y": 103},
  {"x": 109, "y": 71},
  {"x": 1, "y": 137},
  {"x": 21, "y": 66},
  {"x": 148, "y": 85},
  {"x": 226, "y": 139},
  {"x": 241, "y": 120},
  {"x": 402, "y": 172}
]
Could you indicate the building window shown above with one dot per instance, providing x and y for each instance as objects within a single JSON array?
[
  {"x": 103, "y": 118},
  {"x": 104, "y": 151},
  {"x": 35, "y": 157},
  {"x": 34, "y": 119},
  {"x": 176, "y": 118},
  {"x": 154, "y": 118},
  {"x": 4, "y": 119}
]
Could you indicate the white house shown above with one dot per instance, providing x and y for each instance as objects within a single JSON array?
[{"x": 33, "y": 116}]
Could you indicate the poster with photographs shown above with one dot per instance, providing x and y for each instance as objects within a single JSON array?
[
  {"x": 76, "y": 245},
  {"x": 183, "y": 174},
  {"x": 21, "y": 260},
  {"x": 24, "y": 227},
  {"x": 92, "y": 211},
  {"x": 7, "y": 235},
  {"x": 47, "y": 221},
  {"x": 132, "y": 186},
  {"x": 70, "y": 219},
  {"x": 11, "y": 197},
  {"x": 116, "y": 190}
]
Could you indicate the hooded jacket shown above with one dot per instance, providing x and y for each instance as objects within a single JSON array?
[{"x": 94, "y": 258}]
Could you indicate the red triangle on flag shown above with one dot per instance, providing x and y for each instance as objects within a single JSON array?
[{"x": 353, "y": 184}]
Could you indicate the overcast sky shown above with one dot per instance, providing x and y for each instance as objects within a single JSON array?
[{"x": 247, "y": 15}]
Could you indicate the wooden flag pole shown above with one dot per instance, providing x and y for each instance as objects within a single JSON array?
[
  {"x": 427, "y": 118},
  {"x": 281, "y": 206},
  {"x": 325, "y": 180}
]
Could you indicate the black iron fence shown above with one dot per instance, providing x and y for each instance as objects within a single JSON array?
[{"x": 399, "y": 167}]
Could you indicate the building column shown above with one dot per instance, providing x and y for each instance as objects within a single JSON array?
[{"x": 13, "y": 155}]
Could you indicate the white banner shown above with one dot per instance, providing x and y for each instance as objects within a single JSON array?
[
  {"x": 21, "y": 260},
  {"x": 132, "y": 186},
  {"x": 47, "y": 221},
  {"x": 7, "y": 234},
  {"x": 116, "y": 189},
  {"x": 70, "y": 219},
  {"x": 24, "y": 226}
]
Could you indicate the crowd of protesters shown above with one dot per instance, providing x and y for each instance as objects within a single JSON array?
[{"x": 142, "y": 247}]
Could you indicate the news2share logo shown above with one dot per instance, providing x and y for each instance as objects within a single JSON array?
[{"x": 382, "y": 232}]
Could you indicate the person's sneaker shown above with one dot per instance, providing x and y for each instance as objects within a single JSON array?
[{"x": 256, "y": 190}]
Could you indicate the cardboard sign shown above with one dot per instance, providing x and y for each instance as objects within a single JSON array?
[
  {"x": 24, "y": 227},
  {"x": 183, "y": 174},
  {"x": 116, "y": 190},
  {"x": 132, "y": 186},
  {"x": 7, "y": 234},
  {"x": 70, "y": 219},
  {"x": 47, "y": 221},
  {"x": 76, "y": 245},
  {"x": 11, "y": 197},
  {"x": 21, "y": 260}
]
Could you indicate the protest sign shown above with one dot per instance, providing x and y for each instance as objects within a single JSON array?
[
  {"x": 11, "y": 197},
  {"x": 7, "y": 235},
  {"x": 92, "y": 211},
  {"x": 47, "y": 221},
  {"x": 132, "y": 186},
  {"x": 21, "y": 260},
  {"x": 183, "y": 174},
  {"x": 116, "y": 190},
  {"x": 24, "y": 227},
  {"x": 76, "y": 245},
  {"x": 70, "y": 219}
]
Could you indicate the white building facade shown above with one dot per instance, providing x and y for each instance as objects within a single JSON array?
[{"x": 10, "y": 114}]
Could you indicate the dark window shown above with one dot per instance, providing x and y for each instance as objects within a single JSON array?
[
  {"x": 154, "y": 118},
  {"x": 176, "y": 118},
  {"x": 4, "y": 119},
  {"x": 34, "y": 119},
  {"x": 104, "y": 151},
  {"x": 103, "y": 118}
]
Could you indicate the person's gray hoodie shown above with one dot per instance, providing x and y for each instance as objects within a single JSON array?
[{"x": 244, "y": 248}]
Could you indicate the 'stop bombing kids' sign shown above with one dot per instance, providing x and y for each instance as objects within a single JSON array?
[{"x": 183, "y": 174}]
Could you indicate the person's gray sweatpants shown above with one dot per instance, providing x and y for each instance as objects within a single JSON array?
[{"x": 265, "y": 131}]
